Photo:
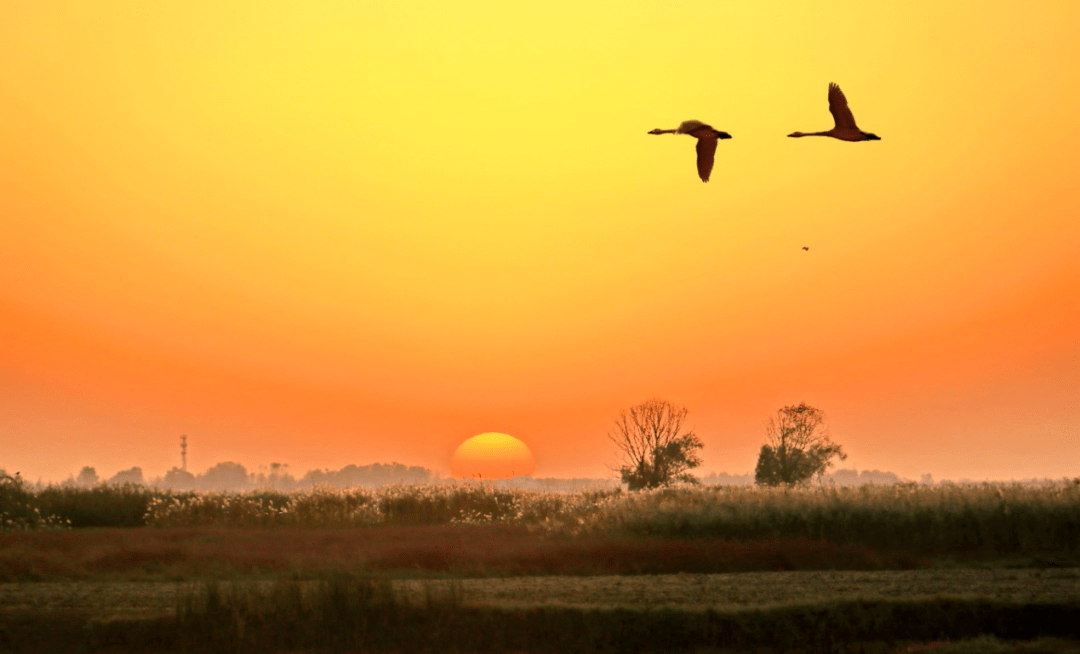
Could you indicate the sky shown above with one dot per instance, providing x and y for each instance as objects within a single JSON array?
[{"x": 325, "y": 233}]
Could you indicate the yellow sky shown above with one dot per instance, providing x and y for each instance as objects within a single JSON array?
[{"x": 336, "y": 232}]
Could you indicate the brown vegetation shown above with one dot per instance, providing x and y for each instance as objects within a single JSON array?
[
  {"x": 343, "y": 613},
  {"x": 190, "y": 553}
]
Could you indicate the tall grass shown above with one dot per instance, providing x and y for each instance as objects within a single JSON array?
[
  {"x": 1002, "y": 518},
  {"x": 105, "y": 505},
  {"x": 389, "y": 506},
  {"x": 995, "y": 518},
  {"x": 19, "y": 510}
]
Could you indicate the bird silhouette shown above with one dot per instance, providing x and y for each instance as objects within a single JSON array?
[
  {"x": 706, "y": 143},
  {"x": 806, "y": 247},
  {"x": 844, "y": 127}
]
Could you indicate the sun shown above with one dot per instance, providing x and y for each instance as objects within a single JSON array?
[{"x": 492, "y": 456}]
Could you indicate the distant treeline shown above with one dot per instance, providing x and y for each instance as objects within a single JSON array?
[
  {"x": 837, "y": 478},
  {"x": 231, "y": 476}
]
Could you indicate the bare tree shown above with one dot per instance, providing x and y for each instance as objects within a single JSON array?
[
  {"x": 798, "y": 447},
  {"x": 655, "y": 451}
]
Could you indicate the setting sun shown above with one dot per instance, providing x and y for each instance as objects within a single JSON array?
[{"x": 492, "y": 456}]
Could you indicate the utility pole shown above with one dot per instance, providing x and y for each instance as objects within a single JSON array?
[{"x": 183, "y": 453}]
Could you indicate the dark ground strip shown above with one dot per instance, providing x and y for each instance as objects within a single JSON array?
[{"x": 869, "y": 626}]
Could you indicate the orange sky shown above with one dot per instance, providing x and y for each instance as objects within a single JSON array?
[{"x": 329, "y": 233}]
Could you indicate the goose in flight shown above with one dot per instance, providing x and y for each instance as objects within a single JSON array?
[
  {"x": 706, "y": 143},
  {"x": 844, "y": 127}
]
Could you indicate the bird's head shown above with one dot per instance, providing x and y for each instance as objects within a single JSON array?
[
  {"x": 870, "y": 137},
  {"x": 795, "y": 134},
  {"x": 722, "y": 135},
  {"x": 657, "y": 131}
]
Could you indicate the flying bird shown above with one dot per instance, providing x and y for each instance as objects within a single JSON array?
[
  {"x": 806, "y": 247},
  {"x": 706, "y": 143},
  {"x": 844, "y": 127}
]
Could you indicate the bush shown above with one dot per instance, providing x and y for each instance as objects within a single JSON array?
[
  {"x": 17, "y": 507},
  {"x": 104, "y": 505}
]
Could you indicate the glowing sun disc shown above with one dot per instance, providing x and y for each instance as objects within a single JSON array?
[{"x": 492, "y": 456}]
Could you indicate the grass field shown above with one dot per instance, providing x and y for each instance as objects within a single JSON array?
[
  {"x": 993, "y": 518},
  {"x": 682, "y": 569},
  {"x": 808, "y": 612},
  {"x": 458, "y": 550}
]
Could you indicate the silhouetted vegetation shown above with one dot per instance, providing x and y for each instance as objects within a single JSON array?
[
  {"x": 87, "y": 477},
  {"x": 130, "y": 476},
  {"x": 799, "y": 448},
  {"x": 991, "y": 520},
  {"x": 996, "y": 519},
  {"x": 104, "y": 505},
  {"x": 232, "y": 476},
  {"x": 656, "y": 450},
  {"x": 842, "y": 477},
  {"x": 19, "y": 508}
]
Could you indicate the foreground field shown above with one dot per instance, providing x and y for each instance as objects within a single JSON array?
[
  {"x": 1004, "y": 519},
  {"x": 459, "y": 550},
  {"x": 763, "y": 612},
  {"x": 754, "y": 590},
  {"x": 475, "y": 569}
]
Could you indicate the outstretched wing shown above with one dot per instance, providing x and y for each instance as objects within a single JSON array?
[
  {"x": 706, "y": 149},
  {"x": 838, "y": 108}
]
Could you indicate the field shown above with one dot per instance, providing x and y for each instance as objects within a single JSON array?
[{"x": 471, "y": 568}]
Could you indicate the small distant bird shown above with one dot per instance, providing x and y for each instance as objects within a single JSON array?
[
  {"x": 806, "y": 247},
  {"x": 844, "y": 127},
  {"x": 706, "y": 143}
]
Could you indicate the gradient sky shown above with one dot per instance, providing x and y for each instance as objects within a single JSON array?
[{"x": 324, "y": 233}]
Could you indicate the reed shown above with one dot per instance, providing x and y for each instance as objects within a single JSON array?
[
  {"x": 1001, "y": 518},
  {"x": 994, "y": 518}
]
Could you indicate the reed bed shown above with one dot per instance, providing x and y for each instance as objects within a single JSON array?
[
  {"x": 990, "y": 517},
  {"x": 474, "y": 504},
  {"x": 1001, "y": 518}
]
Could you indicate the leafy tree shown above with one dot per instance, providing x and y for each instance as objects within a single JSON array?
[
  {"x": 87, "y": 477},
  {"x": 225, "y": 476},
  {"x": 798, "y": 447},
  {"x": 655, "y": 450},
  {"x": 178, "y": 479},
  {"x": 132, "y": 476}
]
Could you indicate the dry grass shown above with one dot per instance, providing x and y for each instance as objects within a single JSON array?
[
  {"x": 1000, "y": 518},
  {"x": 748, "y": 590},
  {"x": 871, "y": 526},
  {"x": 460, "y": 550},
  {"x": 346, "y": 614}
]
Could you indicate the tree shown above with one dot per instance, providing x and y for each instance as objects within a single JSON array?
[
  {"x": 798, "y": 447},
  {"x": 87, "y": 477},
  {"x": 132, "y": 476},
  {"x": 225, "y": 476},
  {"x": 178, "y": 479},
  {"x": 655, "y": 449}
]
